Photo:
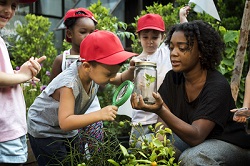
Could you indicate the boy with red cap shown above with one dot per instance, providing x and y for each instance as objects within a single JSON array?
[
  {"x": 79, "y": 23},
  {"x": 13, "y": 127},
  {"x": 57, "y": 113},
  {"x": 151, "y": 32}
]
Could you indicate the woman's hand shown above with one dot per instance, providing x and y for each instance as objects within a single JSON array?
[{"x": 138, "y": 103}]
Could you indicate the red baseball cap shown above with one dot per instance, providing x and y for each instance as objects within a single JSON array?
[
  {"x": 104, "y": 47},
  {"x": 26, "y": 1},
  {"x": 151, "y": 21},
  {"x": 78, "y": 12}
]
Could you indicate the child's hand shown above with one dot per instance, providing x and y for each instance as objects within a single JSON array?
[
  {"x": 184, "y": 11},
  {"x": 109, "y": 113},
  {"x": 241, "y": 114},
  {"x": 25, "y": 71},
  {"x": 31, "y": 68},
  {"x": 35, "y": 65},
  {"x": 132, "y": 65}
]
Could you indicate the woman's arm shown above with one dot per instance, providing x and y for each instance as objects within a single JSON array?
[{"x": 193, "y": 134}]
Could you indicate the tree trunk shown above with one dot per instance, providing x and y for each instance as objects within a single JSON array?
[{"x": 241, "y": 50}]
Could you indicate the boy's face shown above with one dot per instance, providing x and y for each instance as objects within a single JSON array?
[
  {"x": 150, "y": 40},
  {"x": 101, "y": 73},
  {"x": 7, "y": 11}
]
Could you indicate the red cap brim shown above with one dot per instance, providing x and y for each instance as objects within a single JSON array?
[
  {"x": 116, "y": 58},
  {"x": 154, "y": 28}
]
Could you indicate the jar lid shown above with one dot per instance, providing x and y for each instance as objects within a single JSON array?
[
  {"x": 72, "y": 56},
  {"x": 145, "y": 63}
]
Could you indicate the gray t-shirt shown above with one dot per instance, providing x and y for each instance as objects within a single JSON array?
[{"x": 43, "y": 113}]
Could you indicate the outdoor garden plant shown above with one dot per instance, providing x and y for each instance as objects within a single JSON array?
[
  {"x": 144, "y": 151},
  {"x": 149, "y": 150}
]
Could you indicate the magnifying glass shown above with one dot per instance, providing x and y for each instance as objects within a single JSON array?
[{"x": 122, "y": 93}]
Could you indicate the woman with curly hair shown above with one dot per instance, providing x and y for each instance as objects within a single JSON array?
[{"x": 195, "y": 100}]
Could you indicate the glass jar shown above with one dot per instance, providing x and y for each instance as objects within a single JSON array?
[{"x": 145, "y": 80}]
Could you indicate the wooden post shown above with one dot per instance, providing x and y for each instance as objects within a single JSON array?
[{"x": 241, "y": 50}]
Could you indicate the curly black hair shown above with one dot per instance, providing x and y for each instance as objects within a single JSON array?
[{"x": 210, "y": 44}]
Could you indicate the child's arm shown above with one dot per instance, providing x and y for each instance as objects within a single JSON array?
[
  {"x": 69, "y": 121},
  {"x": 184, "y": 11},
  {"x": 27, "y": 71},
  {"x": 125, "y": 75}
]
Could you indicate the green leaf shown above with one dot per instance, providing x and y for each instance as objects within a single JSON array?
[
  {"x": 124, "y": 150},
  {"x": 113, "y": 162},
  {"x": 231, "y": 36}
]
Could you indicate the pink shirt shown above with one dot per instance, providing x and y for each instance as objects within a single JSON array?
[{"x": 12, "y": 103}]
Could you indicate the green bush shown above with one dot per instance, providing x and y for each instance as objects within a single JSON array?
[{"x": 34, "y": 40}]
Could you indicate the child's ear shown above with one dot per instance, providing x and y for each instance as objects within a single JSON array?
[
  {"x": 86, "y": 66},
  {"x": 69, "y": 33}
]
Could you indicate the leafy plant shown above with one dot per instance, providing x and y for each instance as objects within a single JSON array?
[
  {"x": 121, "y": 126},
  {"x": 149, "y": 150},
  {"x": 34, "y": 40},
  {"x": 231, "y": 38},
  {"x": 101, "y": 150},
  {"x": 150, "y": 79}
]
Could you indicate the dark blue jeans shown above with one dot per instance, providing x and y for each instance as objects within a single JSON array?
[{"x": 53, "y": 151}]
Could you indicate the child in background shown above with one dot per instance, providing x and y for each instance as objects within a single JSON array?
[
  {"x": 151, "y": 33},
  {"x": 57, "y": 113},
  {"x": 79, "y": 23},
  {"x": 13, "y": 127}
]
